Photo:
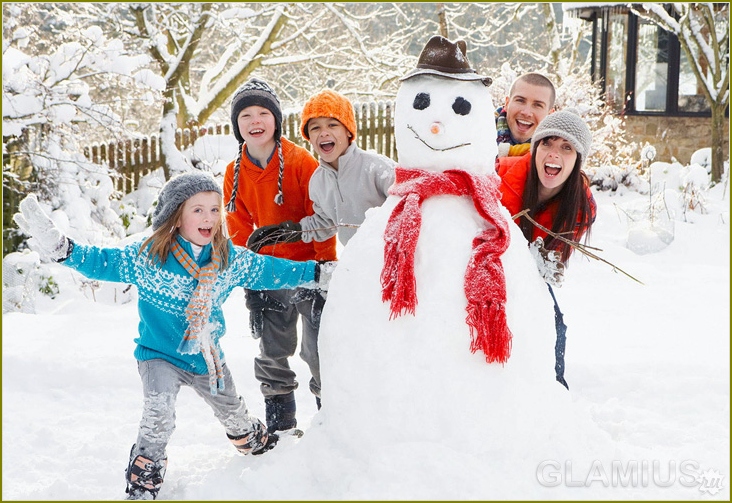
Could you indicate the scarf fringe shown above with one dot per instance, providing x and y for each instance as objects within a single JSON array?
[
  {"x": 399, "y": 285},
  {"x": 496, "y": 342}
]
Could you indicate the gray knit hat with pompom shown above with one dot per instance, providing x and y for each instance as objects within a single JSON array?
[
  {"x": 255, "y": 92},
  {"x": 178, "y": 190},
  {"x": 566, "y": 124}
]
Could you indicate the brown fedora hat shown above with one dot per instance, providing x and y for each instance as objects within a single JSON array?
[{"x": 447, "y": 59}]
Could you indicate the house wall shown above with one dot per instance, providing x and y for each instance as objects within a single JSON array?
[{"x": 677, "y": 137}]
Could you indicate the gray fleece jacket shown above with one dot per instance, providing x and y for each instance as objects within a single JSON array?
[{"x": 341, "y": 197}]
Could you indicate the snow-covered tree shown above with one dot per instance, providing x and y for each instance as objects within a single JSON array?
[
  {"x": 703, "y": 33},
  {"x": 47, "y": 98}
]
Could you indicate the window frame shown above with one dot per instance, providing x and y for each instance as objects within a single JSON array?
[{"x": 601, "y": 21}]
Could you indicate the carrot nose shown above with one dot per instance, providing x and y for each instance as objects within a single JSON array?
[{"x": 436, "y": 128}]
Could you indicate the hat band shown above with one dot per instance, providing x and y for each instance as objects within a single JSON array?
[{"x": 445, "y": 69}]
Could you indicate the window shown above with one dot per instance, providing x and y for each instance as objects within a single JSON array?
[
  {"x": 616, "y": 57},
  {"x": 642, "y": 67},
  {"x": 691, "y": 96},
  {"x": 651, "y": 70}
]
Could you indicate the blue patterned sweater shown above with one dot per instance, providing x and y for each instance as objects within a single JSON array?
[{"x": 164, "y": 291}]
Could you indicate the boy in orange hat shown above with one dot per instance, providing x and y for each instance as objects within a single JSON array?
[{"x": 347, "y": 182}]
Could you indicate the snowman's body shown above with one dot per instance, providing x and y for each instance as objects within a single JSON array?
[{"x": 385, "y": 376}]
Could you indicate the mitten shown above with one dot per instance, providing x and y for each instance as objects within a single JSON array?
[
  {"x": 548, "y": 262},
  {"x": 35, "y": 223},
  {"x": 317, "y": 296},
  {"x": 257, "y": 302},
  {"x": 285, "y": 232},
  {"x": 323, "y": 273}
]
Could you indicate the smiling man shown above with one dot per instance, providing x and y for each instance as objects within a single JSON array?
[{"x": 530, "y": 99}]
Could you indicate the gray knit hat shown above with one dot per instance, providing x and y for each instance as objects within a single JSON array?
[
  {"x": 179, "y": 189},
  {"x": 255, "y": 92},
  {"x": 566, "y": 124}
]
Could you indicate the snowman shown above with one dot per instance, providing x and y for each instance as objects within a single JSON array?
[{"x": 438, "y": 329}]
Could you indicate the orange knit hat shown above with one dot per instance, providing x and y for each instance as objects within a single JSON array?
[{"x": 331, "y": 104}]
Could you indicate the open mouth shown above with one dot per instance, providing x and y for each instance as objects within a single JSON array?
[
  {"x": 256, "y": 132},
  {"x": 552, "y": 170},
  {"x": 327, "y": 147},
  {"x": 205, "y": 232},
  {"x": 524, "y": 125},
  {"x": 416, "y": 135}
]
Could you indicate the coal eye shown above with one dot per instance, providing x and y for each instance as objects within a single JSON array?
[
  {"x": 421, "y": 101},
  {"x": 461, "y": 106}
]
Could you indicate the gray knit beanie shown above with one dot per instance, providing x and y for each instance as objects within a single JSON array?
[
  {"x": 179, "y": 189},
  {"x": 255, "y": 92},
  {"x": 566, "y": 124}
]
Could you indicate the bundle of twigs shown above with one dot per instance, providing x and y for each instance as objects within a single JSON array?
[{"x": 584, "y": 249}]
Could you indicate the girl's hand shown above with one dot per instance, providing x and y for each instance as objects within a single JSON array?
[{"x": 34, "y": 222}]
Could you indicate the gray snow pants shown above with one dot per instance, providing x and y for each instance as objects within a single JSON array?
[
  {"x": 273, "y": 320},
  {"x": 161, "y": 382}
]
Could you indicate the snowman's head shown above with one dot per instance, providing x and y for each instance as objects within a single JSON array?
[{"x": 444, "y": 116}]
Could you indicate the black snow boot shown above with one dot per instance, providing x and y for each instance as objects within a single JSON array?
[
  {"x": 144, "y": 477},
  {"x": 280, "y": 412}
]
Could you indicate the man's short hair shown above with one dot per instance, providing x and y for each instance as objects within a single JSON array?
[{"x": 536, "y": 79}]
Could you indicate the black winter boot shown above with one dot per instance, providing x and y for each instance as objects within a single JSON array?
[
  {"x": 280, "y": 412},
  {"x": 144, "y": 477}
]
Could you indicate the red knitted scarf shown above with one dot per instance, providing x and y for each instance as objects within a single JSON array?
[{"x": 485, "y": 283}]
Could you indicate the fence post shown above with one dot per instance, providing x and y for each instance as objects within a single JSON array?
[
  {"x": 389, "y": 134},
  {"x": 363, "y": 125},
  {"x": 145, "y": 164}
]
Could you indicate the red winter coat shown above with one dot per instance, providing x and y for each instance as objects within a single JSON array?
[
  {"x": 514, "y": 172},
  {"x": 255, "y": 204}
]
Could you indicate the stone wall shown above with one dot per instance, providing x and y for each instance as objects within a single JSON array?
[{"x": 677, "y": 137}]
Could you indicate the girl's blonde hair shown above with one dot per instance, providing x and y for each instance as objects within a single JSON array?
[{"x": 159, "y": 244}]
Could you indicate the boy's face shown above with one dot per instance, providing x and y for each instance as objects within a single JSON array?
[
  {"x": 329, "y": 138},
  {"x": 201, "y": 218},
  {"x": 525, "y": 108},
  {"x": 257, "y": 126}
]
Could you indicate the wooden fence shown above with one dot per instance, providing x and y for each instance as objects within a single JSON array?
[{"x": 134, "y": 158}]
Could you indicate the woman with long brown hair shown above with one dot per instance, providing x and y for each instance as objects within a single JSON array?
[{"x": 549, "y": 183}]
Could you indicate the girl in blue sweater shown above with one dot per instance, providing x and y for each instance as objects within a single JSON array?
[{"x": 183, "y": 272}]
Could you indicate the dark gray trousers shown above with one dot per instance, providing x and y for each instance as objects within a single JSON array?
[{"x": 276, "y": 328}]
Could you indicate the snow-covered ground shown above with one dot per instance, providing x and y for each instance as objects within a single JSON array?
[{"x": 648, "y": 364}]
